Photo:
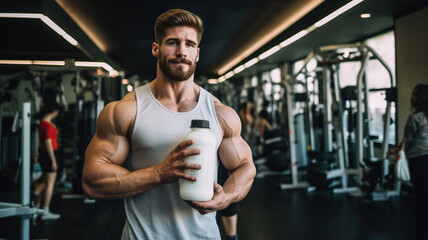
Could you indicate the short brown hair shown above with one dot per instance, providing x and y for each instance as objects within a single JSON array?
[{"x": 177, "y": 17}]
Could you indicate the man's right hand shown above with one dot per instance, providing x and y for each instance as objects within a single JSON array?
[{"x": 174, "y": 165}]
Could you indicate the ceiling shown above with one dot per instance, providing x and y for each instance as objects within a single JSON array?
[{"x": 120, "y": 33}]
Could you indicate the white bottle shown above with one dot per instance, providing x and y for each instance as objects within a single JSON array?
[{"x": 203, "y": 188}]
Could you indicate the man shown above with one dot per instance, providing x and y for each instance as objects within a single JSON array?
[{"x": 137, "y": 153}]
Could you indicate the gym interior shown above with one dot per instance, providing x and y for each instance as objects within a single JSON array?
[{"x": 334, "y": 79}]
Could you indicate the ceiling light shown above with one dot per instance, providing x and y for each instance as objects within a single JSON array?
[
  {"x": 21, "y": 15},
  {"x": 104, "y": 65},
  {"x": 365, "y": 15},
  {"x": 294, "y": 38},
  {"x": 33, "y": 62},
  {"x": 229, "y": 75},
  {"x": 212, "y": 81},
  {"x": 46, "y": 20},
  {"x": 16, "y": 62},
  {"x": 239, "y": 69},
  {"x": 129, "y": 88},
  {"x": 50, "y": 63},
  {"x": 271, "y": 33},
  {"x": 221, "y": 79},
  {"x": 269, "y": 52},
  {"x": 336, "y": 13},
  {"x": 112, "y": 72},
  {"x": 59, "y": 30},
  {"x": 251, "y": 62},
  {"x": 288, "y": 41}
]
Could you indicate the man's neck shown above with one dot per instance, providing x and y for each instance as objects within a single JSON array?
[{"x": 176, "y": 96}]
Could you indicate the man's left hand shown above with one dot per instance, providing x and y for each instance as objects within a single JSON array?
[{"x": 218, "y": 202}]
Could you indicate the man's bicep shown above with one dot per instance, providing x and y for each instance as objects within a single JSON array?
[
  {"x": 113, "y": 149},
  {"x": 234, "y": 152},
  {"x": 110, "y": 143}
]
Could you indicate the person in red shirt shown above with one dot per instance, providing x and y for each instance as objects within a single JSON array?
[{"x": 48, "y": 158}]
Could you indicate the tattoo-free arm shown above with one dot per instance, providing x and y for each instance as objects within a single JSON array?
[
  {"x": 235, "y": 155},
  {"x": 103, "y": 174}
]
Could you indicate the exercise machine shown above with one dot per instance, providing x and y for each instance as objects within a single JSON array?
[
  {"x": 296, "y": 135},
  {"x": 24, "y": 208},
  {"x": 328, "y": 149}
]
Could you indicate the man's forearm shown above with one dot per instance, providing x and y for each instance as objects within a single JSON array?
[
  {"x": 115, "y": 182},
  {"x": 240, "y": 181}
]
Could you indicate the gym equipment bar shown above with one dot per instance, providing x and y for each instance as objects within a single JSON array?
[{"x": 23, "y": 210}]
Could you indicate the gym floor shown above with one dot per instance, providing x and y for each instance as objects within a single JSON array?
[{"x": 267, "y": 213}]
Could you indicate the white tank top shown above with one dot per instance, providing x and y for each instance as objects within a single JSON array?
[{"x": 160, "y": 213}]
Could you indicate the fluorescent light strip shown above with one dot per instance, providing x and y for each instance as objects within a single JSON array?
[
  {"x": 221, "y": 79},
  {"x": 46, "y": 20},
  {"x": 112, "y": 72},
  {"x": 50, "y": 63},
  {"x": 269, "y": 52},
  {"x": 251, "y": 62},
  {"x": 271, "y": 33},
  {"x": 294, "y": 38},
  {"x": 212, "y": 81},
  {"x": 59, "y": 30},
  {"x": 33, "y": 62},
  {"x": 336, "y": 13},
  {"x": 104, "y": 65},
  {"x": 21, "y": 15},
  {"x": 16, "y": 62},
  {"x": 229, "y": 75},
  {"x": 239, "y": 69}
]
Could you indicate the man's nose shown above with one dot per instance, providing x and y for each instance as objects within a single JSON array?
[{"x": 181, "y": 50}]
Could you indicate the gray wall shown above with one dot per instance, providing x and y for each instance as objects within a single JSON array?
[{"x": 412, "y": 60}]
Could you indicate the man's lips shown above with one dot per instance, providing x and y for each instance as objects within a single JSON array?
[{"x": 180, "y": 61}]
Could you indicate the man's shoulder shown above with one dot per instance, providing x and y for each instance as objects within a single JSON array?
[
  {"x": 120, "y": 112},
  {"x": 228, "y": 118},
  {"x": 222, "y": 109},
  {"x": 122, "y": 107}
]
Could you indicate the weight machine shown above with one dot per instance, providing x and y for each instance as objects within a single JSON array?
[
  {"x": 295, "y": 126},
  {"x": 23, "y": 209},
  {"x": 325, "y": 121}
]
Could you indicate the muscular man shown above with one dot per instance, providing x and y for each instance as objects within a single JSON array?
[{"x": 137, "y": 153}]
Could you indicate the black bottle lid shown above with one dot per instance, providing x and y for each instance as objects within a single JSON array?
[{"x": 199, "y": 123}]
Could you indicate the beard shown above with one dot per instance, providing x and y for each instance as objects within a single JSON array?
[{"x": 178, "y": 74}]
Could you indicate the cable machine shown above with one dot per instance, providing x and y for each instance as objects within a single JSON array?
[{"x": 326, "y": 124}]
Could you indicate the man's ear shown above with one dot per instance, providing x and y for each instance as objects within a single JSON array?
[
  {"x": 155, "y": 49},
  {"x": 197, "y": 56}
]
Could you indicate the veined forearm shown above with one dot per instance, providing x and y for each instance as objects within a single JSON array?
[
  {"x": 240, "y": 181},
  {"x": 115, "y": 182}
]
